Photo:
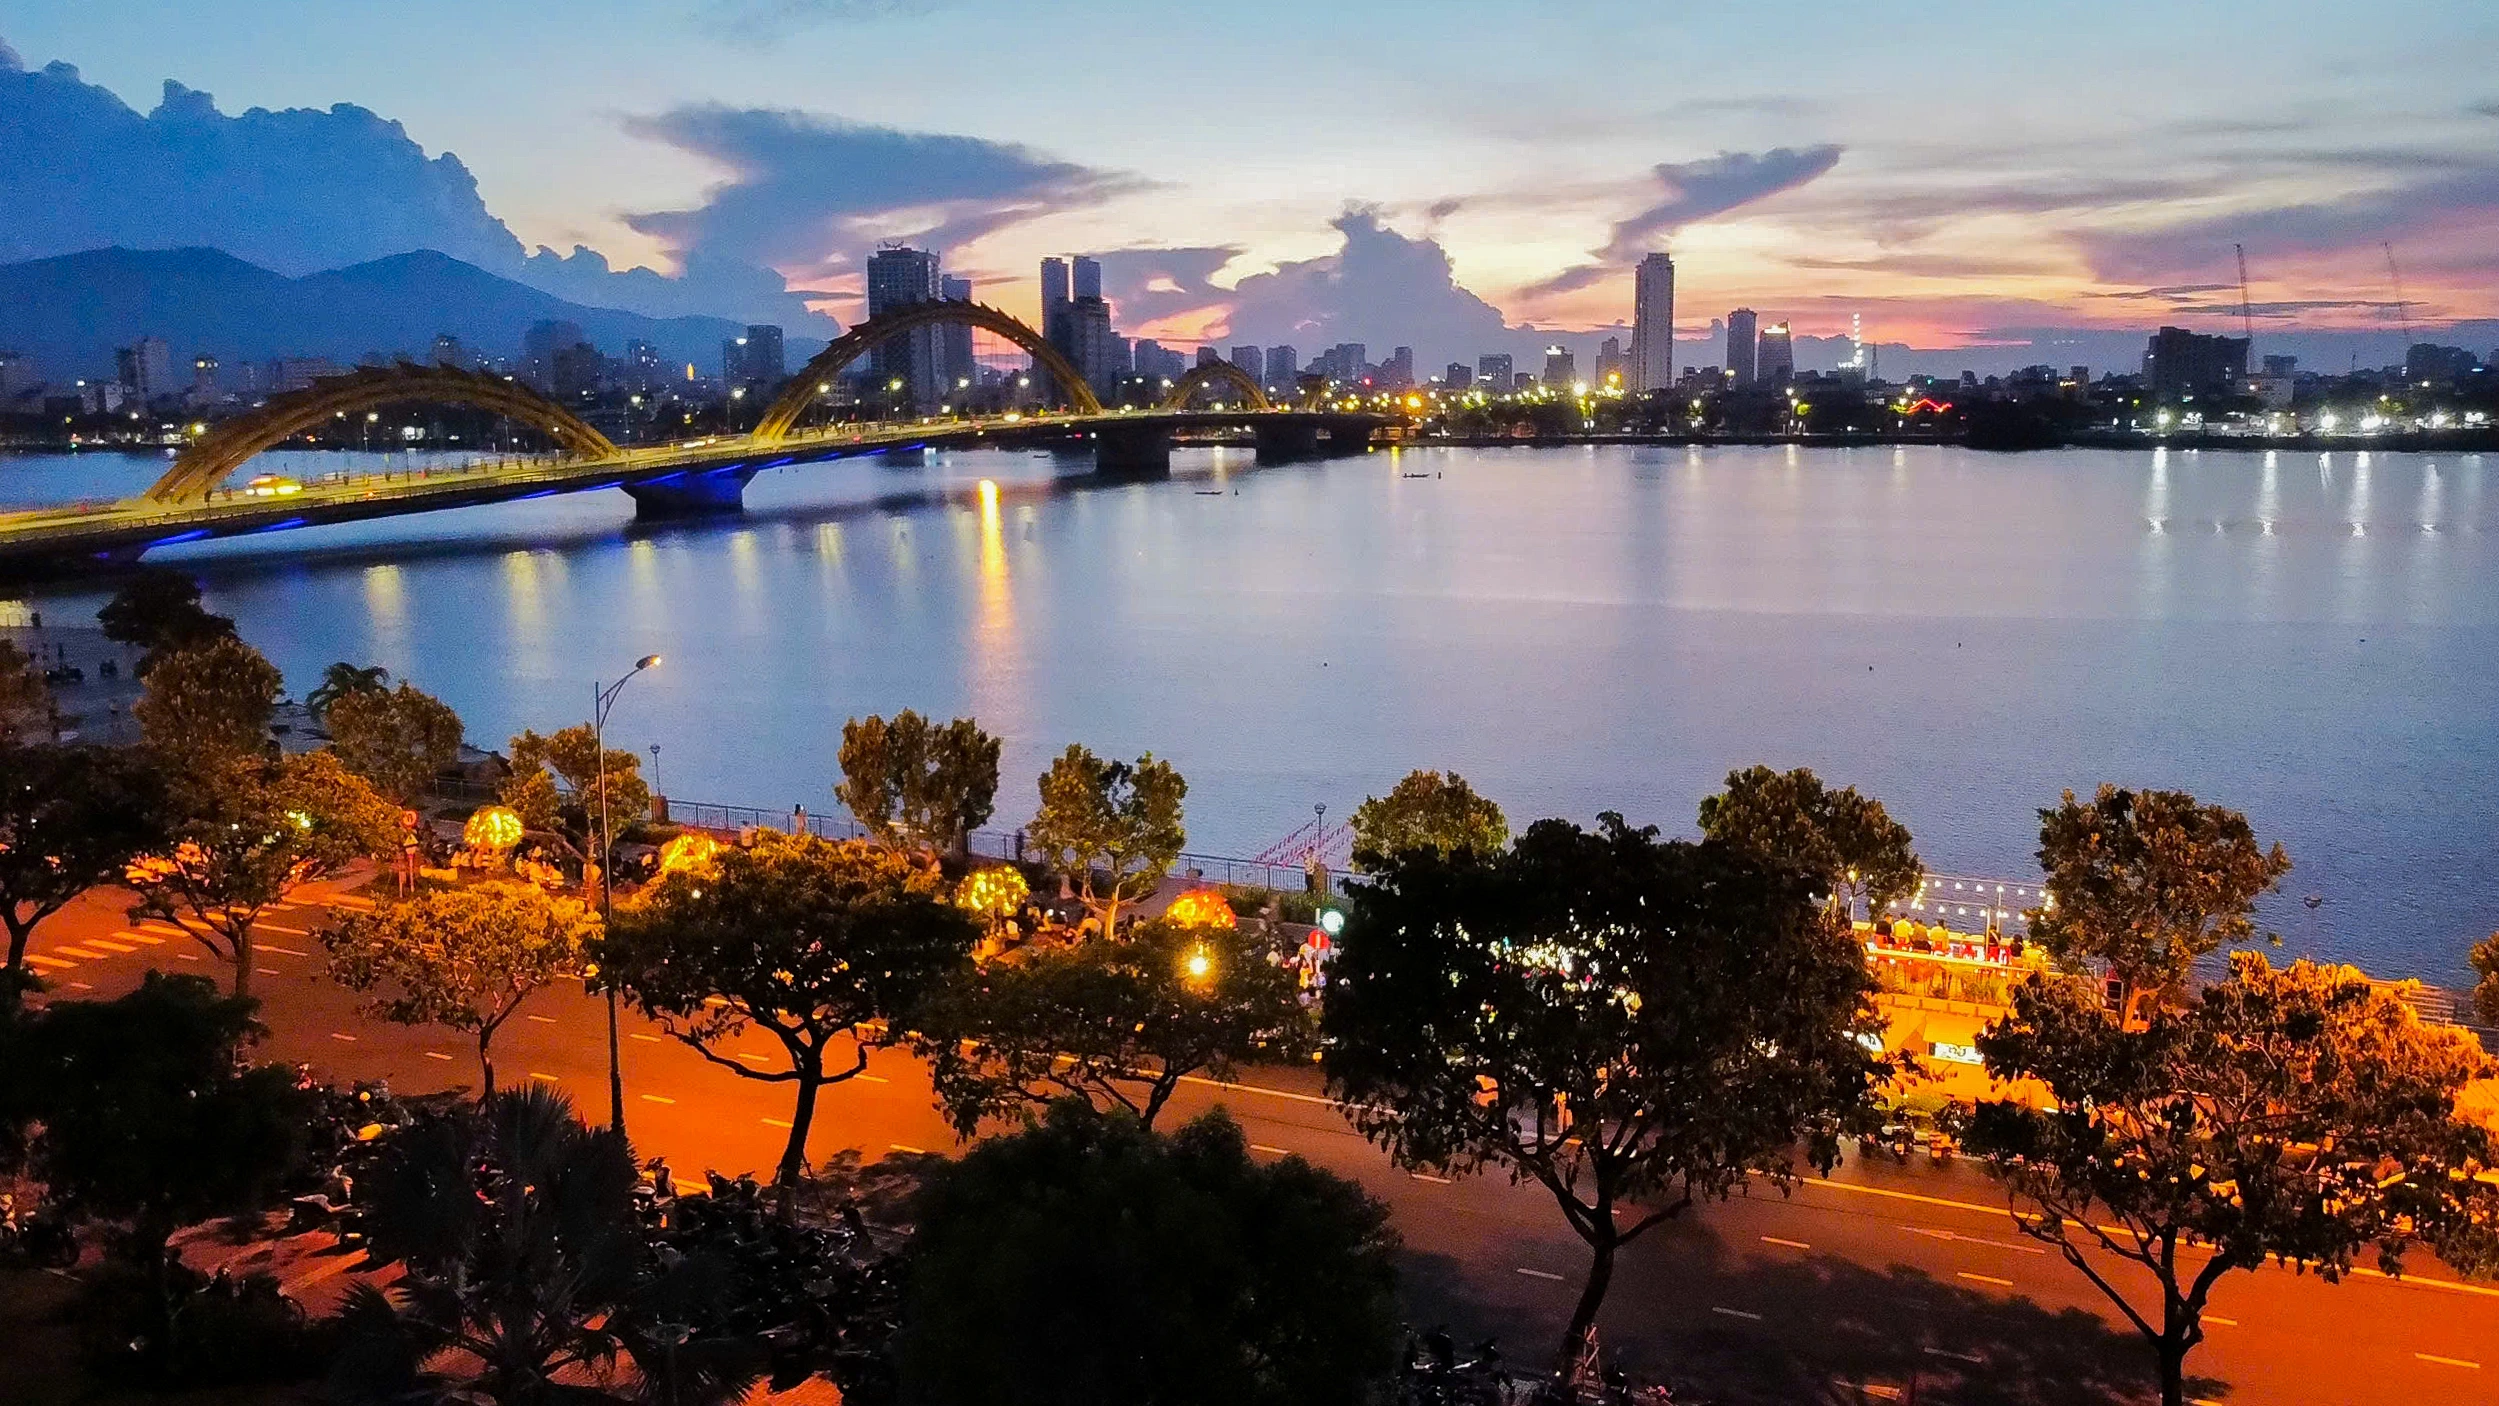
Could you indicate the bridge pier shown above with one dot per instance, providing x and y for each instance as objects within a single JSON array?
[
  {"x": 691, "y": 494},
  {"x": 1286, "y": 443},
  {"x": 1348, "y": 435},
  {"x": 1132, "y": 451}
]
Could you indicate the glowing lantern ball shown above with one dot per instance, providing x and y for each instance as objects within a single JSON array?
[
  {"x": 494, "y": 829},
  {"x": 691, "y": 850},
  {"x": 1201, "y": 908},
  {"x": 994, "y": 893}
]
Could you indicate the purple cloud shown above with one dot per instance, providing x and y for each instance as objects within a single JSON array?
[{"x": 1694, "y": 191}]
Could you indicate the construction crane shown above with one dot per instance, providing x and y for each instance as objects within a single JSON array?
[
  {"x": 2403, "y": 310},
  {"x": 2247, "y": 310}
]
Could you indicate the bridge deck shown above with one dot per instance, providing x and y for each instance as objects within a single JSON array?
[{"x": 124, "y": 527}]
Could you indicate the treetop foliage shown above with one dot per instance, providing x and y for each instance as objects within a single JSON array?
[
  {"x": 1845, "y": 840},
  {"x": 1427, "y": 810},
  {"x": 911, "y": 781}
]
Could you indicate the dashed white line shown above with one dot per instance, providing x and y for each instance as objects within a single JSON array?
[
  {"x": 1735, "y": 1313},
  {"x": 2224, "y": 1322},
  {"x": 1986, "y": 1279},
  {"x": 542, "y": 1019},
  {"x": 1262, "y": 1147},
  {"x": 1542, "y": 1274},
  {"x": 1791, "y": 1244},
  {"x": 2449, "y": 1361},
  {"x": 342, "y": 1035},
  {"x": 148, "y": 939},
  {"x": 905, "y": 1147},
  {"x": 186, "y": 956},
  {"x": 754, "y": 1058},
  {"x": 872, "y": 1079},
  {"x": 283, "y": 951},
  {"x": 437, "y": 1054},
  {"x": 646, "y": 1039},
  {"x": 268, "y": 971},
  {"x": 80, "y": 986},
  {"x": 273, "y": 927},
  {"x": 776, "y": 1122},
  {"x": 655, "y": 1098},
  {"x": 1970, "y": 1357},
  {"x": 544, "y": 1078},
  {"x": 1426, "y": 1176}
]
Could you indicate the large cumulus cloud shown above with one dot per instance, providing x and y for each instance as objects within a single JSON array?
[{"x": 1380, "y": 288}]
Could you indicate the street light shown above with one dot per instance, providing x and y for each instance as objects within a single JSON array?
[{"x": 602, "y": 699}]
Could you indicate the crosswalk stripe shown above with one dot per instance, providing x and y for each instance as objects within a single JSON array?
[
  {"x": 81, "y": 953},
  {"x": 40, "y": 960},
  {"x": 147, "y": 938},
  {"x": 114, "y": 947}
]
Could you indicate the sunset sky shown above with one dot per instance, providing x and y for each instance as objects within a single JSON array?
[{"x": 1949, "y": 171}]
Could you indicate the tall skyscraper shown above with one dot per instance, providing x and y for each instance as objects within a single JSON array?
[
  {"x": 898, "y": 277},
  {"x": 765, "y": 362},
  {"x": 1088, "y": 277},
  {"x": 1775, "y": 361},
  {"x": 1398, "y": 370},
  {"x": 1459, "y": 376},
  {"x": 1613, "y": 367},
  {"x": 1742, "y": 346},
  {"x": 1053, "y": 292},
  {"x": 1493, "y": 368},
  {"x": 538, "y": 348},
  {"x": 1284, "y": 367},
  {"x": 1251, "y": 362},
  {"x": 1653, "y": 325},
  {"x": 1561, "y": 366},
  {"x": 959, "y": 371}
]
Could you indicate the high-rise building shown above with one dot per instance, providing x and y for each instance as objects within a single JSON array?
[
  {"x": 1398, "y": 370},
  {"x": 1088, "y": 278},
  {"x": 1561, "y": 366},
  {"x": 540, "y": 344},
  {"x": 1653, "y": 325},
  {"x": 19, "y": 378},
  {"x": 1774, "y": 360},
  {"x": 643, "y": 370},
  {"x": 1053, "y": 292},
  {"x": 1459, "y": 376},
  {"x": 1494, "y": 369},
  {"x": 1353, "y": 359},
  {"x": 766, "y": 364},
  {"x": 959, "y": 371},
  {"x": 1612, "y": 366},
  {"x": 1251, "y": 362},
  {"x": 1284, "y": 368},
  {"x": 910, "y": 365},
  {"x": 147, "y": 369},
  {"x": 1208, "y": 356},
  {"x": 2180, "y": 362},
  {"x": 1743, "y": 347}
]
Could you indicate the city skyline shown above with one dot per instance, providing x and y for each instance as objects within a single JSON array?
[{"x": 1796, "y": 175}]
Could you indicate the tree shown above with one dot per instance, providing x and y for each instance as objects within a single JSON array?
[
  {"x": 1207, "y": 1278},
  {"x": 1848, "y": 842},
  {"x": 462, "y": 958},
  {"x": 1627, "y": 1022},
  {"x": 572, "y": 811},
  {"x": 148, "y": 1115},
  {"x": 70, "y": 818},
  {"x": 26, "y": 710},
  {"x": 250, "y": 833},
  {"x": 209, "y": 701},
  {"x": 523, "y": 1253},
  {"x": 2485, "y": 959},
  {"x": 2147, "y": 882},
  {"x": 398, "y": 739},
  {"x": 342, "y": 680},
  {"x": 911, "y": 782},
  {"x": 1428, "y": 810},
  {"x": 1112, "y": 827},
  {"x": 159, "y": 611},
  {"x": 1099, "y": 1019},
  {"x": 812, "y": 941},
  {"x": 2298, "y": 1115}
]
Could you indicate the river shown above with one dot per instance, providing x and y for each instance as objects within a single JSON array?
[{"x": 2311, "y": 638}]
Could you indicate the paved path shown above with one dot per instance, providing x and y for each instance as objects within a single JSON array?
[{"x": 1844, "y": 1291}]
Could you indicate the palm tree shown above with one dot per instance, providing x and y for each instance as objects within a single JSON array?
[
  {"x": 341, "y": 679},
  {"x": 528, "y": 1274}
]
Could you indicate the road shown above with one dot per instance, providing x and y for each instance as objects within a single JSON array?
[{"x": 1846, "y": 1290}]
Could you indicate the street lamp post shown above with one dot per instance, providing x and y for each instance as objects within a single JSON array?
[{"x": 602, "y": 699}]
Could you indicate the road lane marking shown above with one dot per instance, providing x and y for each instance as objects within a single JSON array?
[
  {"x": 649, "y": 1039},
  {"x": 437, "y": 1054},
  {"x": 776, "y": 1122},
  {"x": 1986, "y": 1279},
  {"x": 1426, "y": 1176},
  {"x": 2448, "y": 1361},
  {"x": 543, "y": 1019},
  {"x": 273, "y": 927},
  {"x": 40, "y": 960},
  {"x": 273, "y": 947},
  {"x": 1735, "y": 1313},
  {"x": 544, "y": 1078},
  {"x": 113, "y": 947},
  {"x": 81, "y": 953},
  {"x": 1933, "y": 1233},
  {"x": 754, "y": 1058},
  {"x": 655, "y": 1098},
  {"x": 1262, "y": 1147},
  {"x": 906, "y": 1147},
  {"x": 1791, "y": 1244},
  {"x": 186, "y": 956},
  {"x": 871, "y": 1078},
  {"x": 1542, "y": 1274},
  {"x": 2217, "y": 1318},
  {"x": 1970, "y": 1357},
  {"x": 168, "y": 929},
  {"x": 80, "y": 986},
  {"x": 715, "y": 1000},
  {"x": 148, "y": 939},
  {"x": 342, "y": 1035},
  {"x": 268, "y": 971}
]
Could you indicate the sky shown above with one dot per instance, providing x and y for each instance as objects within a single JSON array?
[{"x": 1956, "y": 174}]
